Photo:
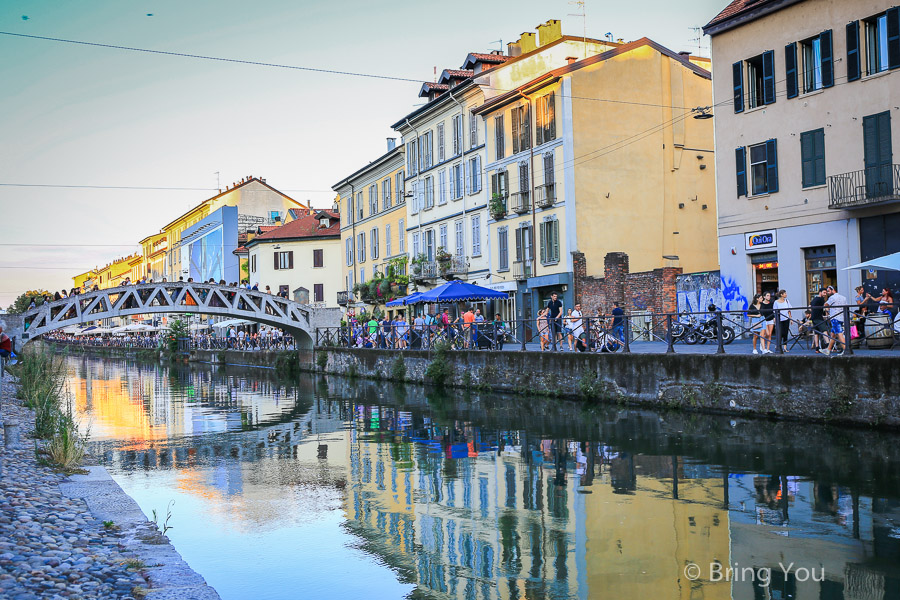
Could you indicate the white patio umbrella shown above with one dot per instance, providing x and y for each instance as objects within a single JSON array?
[
  {"x": 199, "y": 326},
  {"x": 891, "y": 262},
  {"x": 230, "y": 322}
]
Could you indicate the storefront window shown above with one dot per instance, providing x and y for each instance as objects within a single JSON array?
[
  {"x": 765, "y": 271},
  {"x": 821, "y": 269}
]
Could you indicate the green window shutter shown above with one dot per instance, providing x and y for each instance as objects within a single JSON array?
[
  {"x": 819, "y": 139},
  {"x": 827, "y": 59},
  {"x": 893, "y": 37},
  {"x": 542, "y": 229},
  {"x": 539, "y": 116},
  {"x": 740, "y": 159},
  {"x": 772, "y": 166},
  {"x": 551, "y": 116},
  {"x": 853, "y": 66},
  {"x": 737, "y": 72},
  {"x": 807, "y": 155},
  {"x": 769, "y": 77},
  {"x": 555, "y": 227},
  {"x": 790, "y": 67},
  {"x": 514, "y": 117}
]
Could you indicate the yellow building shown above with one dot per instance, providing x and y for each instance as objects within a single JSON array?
[
  {"x": 372, "y": 206},
  {"x": 115, "y": 273},
  {"x": 153, "y": 250},
  {"x": 85, "y": 280},
  {"x": 600, "y": 155}
]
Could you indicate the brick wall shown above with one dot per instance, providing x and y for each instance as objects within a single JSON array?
[{"x": 648, "y": 290}]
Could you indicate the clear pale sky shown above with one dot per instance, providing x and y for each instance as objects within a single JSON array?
[{"x": 84, "y": 116}]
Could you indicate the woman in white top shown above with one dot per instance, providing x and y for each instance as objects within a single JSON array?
[{"x": 784, "y": 306}]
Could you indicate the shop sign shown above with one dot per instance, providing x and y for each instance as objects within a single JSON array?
[{"x": 760, "y": 239}]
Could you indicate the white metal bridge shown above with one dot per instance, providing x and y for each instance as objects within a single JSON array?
[{"x": 192, "y": 298}]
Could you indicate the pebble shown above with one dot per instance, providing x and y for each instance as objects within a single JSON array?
[{"x": 50, "y": 545}]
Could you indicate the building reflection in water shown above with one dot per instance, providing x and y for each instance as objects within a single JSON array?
[{"x": 489, "y": 497}]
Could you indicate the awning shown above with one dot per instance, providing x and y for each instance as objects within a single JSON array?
[
  {"x": 891, "y": 262},
  {"x": 230, "y": 322}
]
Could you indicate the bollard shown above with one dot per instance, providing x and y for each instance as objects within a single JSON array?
[
  {"x": 626, "y": 334},
  {"x": 721, "y": 348},
  {"x": 10, "y": 434},
  {"x": 778, "y": 348},
  {"x": 522, "y": 330},
  {"x": 670, "y": 348},
  {"x": 848, "y": 345}
]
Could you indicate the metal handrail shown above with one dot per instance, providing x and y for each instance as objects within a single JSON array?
[{"x": 864, "y": 187}]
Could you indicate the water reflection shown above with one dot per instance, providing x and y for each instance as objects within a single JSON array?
[{"x": 349, "y": 489}]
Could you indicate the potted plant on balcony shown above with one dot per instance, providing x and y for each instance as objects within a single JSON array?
[
  {"x": 443, "y": 260},
  {"x": 417, "y": 263},
  {"x": 497, "y": 206}
]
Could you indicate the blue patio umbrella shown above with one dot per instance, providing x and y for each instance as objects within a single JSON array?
[
  {"x": 458, "y": 291},
  {"x": 404, "y": 300}
]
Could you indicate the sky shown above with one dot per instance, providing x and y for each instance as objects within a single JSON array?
[{"x": 77, "y": 122}]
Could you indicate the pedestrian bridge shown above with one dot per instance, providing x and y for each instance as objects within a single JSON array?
[{"x": 300, "y": 320}]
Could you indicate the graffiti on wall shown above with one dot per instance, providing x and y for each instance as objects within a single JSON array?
[{"x": 696, "y": 291}]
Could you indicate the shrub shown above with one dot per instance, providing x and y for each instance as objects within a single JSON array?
[
  {"x": 398, "y": 369},
  {"x": 321, "y": 360},
  {"x": 66, "y": 448},
  {"x": 41, "y": 378},
  {"x": 439, "y": 371}
]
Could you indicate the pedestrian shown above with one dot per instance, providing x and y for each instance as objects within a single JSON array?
[
  {"x": 418, "y": 331},
  {"x": 784, "y": 314},
  {"x": 372, "y": 330},
  {"x": 476, "y": 327},
  {"x": 578, "y": 328},
  {"x": 468, "y": 318},
  {"x": 498, "y": 331},
  {"x": 618, "y": 323},
  {"x": 543, "y": 327},
  {"x": 757, "y": 321},
  {"x": 834, "y": 305},
  {"x": 385, "y": 336},
  {"x": 567, "y": 329},
  {"x": 402, "y": 332},
  {"x": 817, "y": 315},
  {"x": 268, "y": 290},
  {"x": 765, "y": 309},
  {"x": 554, "y": 319}
]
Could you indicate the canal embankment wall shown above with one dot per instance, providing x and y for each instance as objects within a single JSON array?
[{"x": 858, "y": 390}]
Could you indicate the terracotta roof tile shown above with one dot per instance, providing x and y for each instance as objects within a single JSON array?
[
  {"x": 494, "y": 59},
  {"x": 462, "y": 73},
  {"x": 735, "y": 8},
  {"x": 304, "y": 227}
]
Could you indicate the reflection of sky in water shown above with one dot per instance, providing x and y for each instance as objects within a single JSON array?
[{"x": 292, "y": 491}]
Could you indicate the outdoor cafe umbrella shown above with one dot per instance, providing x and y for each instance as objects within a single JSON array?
[
  {"x": 458, "y": 291},
  {"x": 891, "y": 262},
  {"x": 199, "y": 326},
  {"x": 404, "y": 300}
]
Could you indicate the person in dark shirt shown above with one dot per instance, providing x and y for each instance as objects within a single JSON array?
[
  {"x": 768, "y": 313},
  {"x": 817, "y": 314},
  {"x": 554, "y": 315},
  {"x": 618, "y": 323}
]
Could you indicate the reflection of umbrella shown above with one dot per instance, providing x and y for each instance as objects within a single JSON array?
[
  {"x": 458, "y": 291},
  {"x": 891, "y": 262}
]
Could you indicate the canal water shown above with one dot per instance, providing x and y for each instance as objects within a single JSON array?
[{"x": 339, "y": 488}]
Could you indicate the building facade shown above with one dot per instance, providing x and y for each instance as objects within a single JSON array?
[
  {"x": 372, "y": 205},
  {"x": 300, "y": 259},
  {"x": 807, "y": 98},
  {"x": 573, "y": 170}
]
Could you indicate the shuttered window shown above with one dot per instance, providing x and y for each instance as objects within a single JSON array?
[
  {"x": 373, "y": 200},
  {"x": 318, "y": 258},
  {"x": 854, "y": 71},
  {"x": 457, "y": 135},
  {"x": 545, "y": 115},
  {"x": 549, "y": 234},
  {"x": 768, "y": 77},
  {"x": 549, "y": 176},
  {"x": 442, "y": 237},
  {"x": 473, "y": 130},
  {"x": 790, "y": 68},
  {"x": 818, "y": 62},
  {"x": 763, "y": 168},
  {"x": 401, "y": 240},
  {"x": 318, "y": 292},
  {"x": 284, "y": 260},
  {"x": 361, "y": 247},
  {"x": 440, "y": 142},
  {"x": 503, "y": 249},
  {"x": 740, "y": 159},
  {"x": 498, "y": 138},
  {"x": 893, "y": 37},
  {"x": 460, "y": 238},
  {"x": 387, "y": 241},
  {"x": 373, "y": 239},
  {"x": 349, "y": 250},
  {"x": 521, "y": 129},
  {"x": 476, "y": 235},
  {"x": 737, "y": 73},
  {"x": 812, "y": 153},
  {"x": 524, "y": 182},
  {"x": 386, "y": 193},
  {"x": 442, "y": 186},
  {"x": 401, "y": 189}
]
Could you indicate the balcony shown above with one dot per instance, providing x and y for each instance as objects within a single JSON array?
[
  {"x": 424, "y": 271},
  {"x": 455, "y": 268},
  {"x": 545, "y": 195},
  {"x": 520, "y": 202},
  {"x": 523, "y": 269},
  {"x": 497, "y": 206},
  {"x": 864, "y": 188},
  {"x": 343, "y": 298}
]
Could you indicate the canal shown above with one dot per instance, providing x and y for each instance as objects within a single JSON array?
[{"x": 340, "y": 488}]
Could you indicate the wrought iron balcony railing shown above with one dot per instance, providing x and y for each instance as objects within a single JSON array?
[
  {"x": 865, "y": 187},
  {"x": 427, "y": 270},
  {"x": 545, "y": 195},
  {"x": 343, "y": 298},
  {"x": 520, "y": 202},
  {"x": 523, "y": 269},
  {"x": 454, "y": 268}
]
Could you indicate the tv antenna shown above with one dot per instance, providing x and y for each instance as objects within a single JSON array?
[
  {"x": 218, "y": 185},
  {"x": 500, "y": 41},
  {"x": 583, "y": 14},
  {"x": 698, "y": 32}
]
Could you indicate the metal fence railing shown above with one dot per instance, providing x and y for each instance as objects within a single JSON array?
[
  {"x": 776, "y": 331},
  {"x": 196, "y": 342}
]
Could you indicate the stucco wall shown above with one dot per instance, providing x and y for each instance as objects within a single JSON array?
[{"x": 303, "y": 274}]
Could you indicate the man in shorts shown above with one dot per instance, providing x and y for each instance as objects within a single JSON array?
[{"x": 834, "y": 305}]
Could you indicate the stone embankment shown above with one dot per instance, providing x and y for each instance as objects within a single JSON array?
[{"x": 53, "y": 540}]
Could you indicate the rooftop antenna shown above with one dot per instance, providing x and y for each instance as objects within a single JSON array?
[
  {"x": 583, "y": 14},
  {"x": 500, "y": 41},
  {"x": 218, "y": 185},
  {"x": 698, "y": 31},
  {"x": 435, "y": 73}
]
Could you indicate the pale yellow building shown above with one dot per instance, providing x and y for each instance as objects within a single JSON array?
[{"x": 153, "y": 250}]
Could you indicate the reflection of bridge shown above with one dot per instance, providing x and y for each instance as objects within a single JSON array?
[{"x": 196, "y": 298}]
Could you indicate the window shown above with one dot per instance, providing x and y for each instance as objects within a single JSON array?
[
  {"x": 373, "y": 200},
  {"x": 474, "y": 174},
  {"x": 456, "y": 181},
  {"x": 387, "y": 240},
  {"x": 818, "y": 67},
  {"x": 498, "y": 137},
  {"x": 414, "y": 205},
  {"x": 349, "y": 280},
  {"x": 549, "y": 241},
  {"x": 373, "y": 240},
  {"x": 349, "y": 250},
  {"x": 442, "y": 186},
  {"x": 361, "y": 247},
  {"x": 442, "y": 236},
  {"x": 440, "y": 142},
  {"x": 760, "y": 80},
  {"x": 812, "y": 152},
  {"x": 425, "y": 144},
  {"x": 429, "y": 192},
  {"x": 460, "y": 238},
  {"x": 362, "y": 274},
  {"x": 545, "y": 113},
  {"x": 412, "y": 158},
  {"x": 500, "y": 184},
  {"x": 521, "y": 131},
  {"x": 386, "y": 194},
  {"x": 457, "y": 135},
  {"x": 524, "y": 182},
  {"x": 274, "y": 215},
  {"x": 473, "y": 130},
  {"x": 284, "y": 260},
  {"x": 359, "y": 206},
  {"x": 401, "y": 189},
  {"x": 524, "y": 246},
  {"x": 476, "y": 235},
  {"x": 253, "y": 264},
  {"x": 763, "y": 169},
  {"x": 549, "y": 178},
  {"x": 503, "y": 248},
  {"x": 318, "y": 292},
  {"x": 429, "y": 244},
  {"x": 415, "y": 240},
  {"x": 401, "y": 240},
  {"x": 348, "y": 201},
  {"x": 318, "y": 258},
  {"x": 876, "y": 45}
]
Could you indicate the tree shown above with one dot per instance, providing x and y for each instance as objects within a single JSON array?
[{"x": 22, "y": 303}]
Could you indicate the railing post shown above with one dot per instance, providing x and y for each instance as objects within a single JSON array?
[
  {"x": 670, "y": 342},
  {"x": 551, "y": 323},
  {"x": 848, "y": 343},
  {"x": 779, "y": 349},
  {"x": 721, "y": 348},
  {"x": 522, "y": 333},
  {"x": 626, "y": 334}
]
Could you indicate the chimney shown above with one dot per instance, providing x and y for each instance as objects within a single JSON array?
[
  {"x": 497, "y": 52},
  {"x": 513, "y": 49},
  {"x": 571, "y": 59},
  {"x": 549, "y": 32},
  {"x": 527, "y": 42},
  {"x": 392, "y": 143},
  {"x": 620, "y": 41},
  {"x": 685, "y": 54}
]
